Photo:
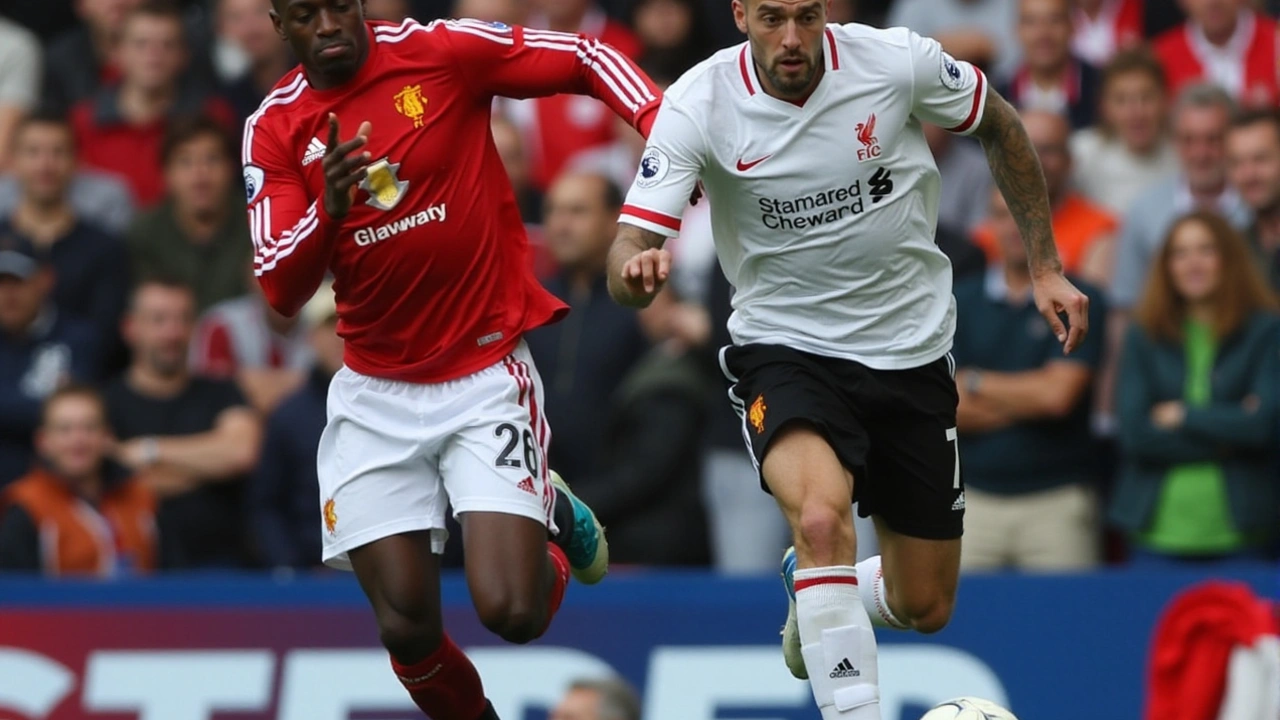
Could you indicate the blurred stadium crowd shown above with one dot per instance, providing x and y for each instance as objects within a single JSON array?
[{"x": 156, "y": 415}]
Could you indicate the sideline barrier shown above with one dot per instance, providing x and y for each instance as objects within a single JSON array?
[{"x": 699, "y": 648}]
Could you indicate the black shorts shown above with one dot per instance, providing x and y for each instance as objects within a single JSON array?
[{"x": 895, "y": 430}]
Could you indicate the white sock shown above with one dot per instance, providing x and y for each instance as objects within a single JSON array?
[
  {"x": 838, "y": 643},
  {"x": 874, "y": 596}
]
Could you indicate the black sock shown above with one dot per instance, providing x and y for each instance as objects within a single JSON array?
[
  {"x": 489, "y": 713},
  {"x": 562, "y": 513}
]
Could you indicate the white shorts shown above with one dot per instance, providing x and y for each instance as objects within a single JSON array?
[{"x": 394, "y": 454}]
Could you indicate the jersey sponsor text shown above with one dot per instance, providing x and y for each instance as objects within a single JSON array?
[
  {"x": 820, "y": 208},
  {"x": 370, "y": 235}
]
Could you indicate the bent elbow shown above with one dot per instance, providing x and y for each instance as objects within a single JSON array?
[{"x": 279, "y": 300}]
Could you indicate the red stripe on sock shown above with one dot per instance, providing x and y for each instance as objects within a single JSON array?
[
  {"x": 828, "y": 580},
  {"x": 445, "y": 685},
  {"x": 560, "y": 564}
]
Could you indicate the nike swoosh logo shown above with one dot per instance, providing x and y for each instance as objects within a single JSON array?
[{"x": 745, "y": 166}]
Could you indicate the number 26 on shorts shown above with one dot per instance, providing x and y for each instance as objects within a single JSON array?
[{"x": 514, "y": 437}]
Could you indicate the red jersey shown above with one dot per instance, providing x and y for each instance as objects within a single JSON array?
[
  {"x": 431, "y": 266},
  {"x": 106, "y": 141},
  {"x": 1246, "y": 67}
]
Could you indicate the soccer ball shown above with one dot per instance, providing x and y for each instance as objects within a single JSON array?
[{"x": 968, "y": 708}]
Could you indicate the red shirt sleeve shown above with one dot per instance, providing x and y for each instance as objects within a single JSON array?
[
  {"x": 520, "y": 62},
  {"x": 293, "y": 236}
]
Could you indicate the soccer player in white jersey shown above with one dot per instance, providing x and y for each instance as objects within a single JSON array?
[{"x": 824, "y": 202}]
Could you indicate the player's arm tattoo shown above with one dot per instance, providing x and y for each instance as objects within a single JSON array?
[
  {"x": 630, "y": 241},
  {"x": 1016, "y": 170}
]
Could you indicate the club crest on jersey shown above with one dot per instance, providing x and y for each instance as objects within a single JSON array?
[
  {"x": 411, "y": 104},
  {"x": 653, "y": 168},
  {"x": 950, "y": 73},
  {"x": 866, "y": 132},
  {"x": 384, "y": 187}
]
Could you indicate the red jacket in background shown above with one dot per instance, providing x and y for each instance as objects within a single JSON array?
[
  {"x": 106, "y": 141},
  {"x": 560, "y": 126},
  {"x": 1192, "y": 647},
  {"x": 1178, "y": 51}
]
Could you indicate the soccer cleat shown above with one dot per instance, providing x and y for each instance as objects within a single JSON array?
[
  {"x": 791, "y": 631},
  {"x": 587, "y": 549}
]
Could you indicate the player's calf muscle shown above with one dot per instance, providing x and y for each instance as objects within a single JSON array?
[{"x": 921, "y": 577}]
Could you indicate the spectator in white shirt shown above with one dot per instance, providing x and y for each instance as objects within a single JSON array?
[
  {"x": 1130, "y": 149},
  {"x": 19, "y": 80}
]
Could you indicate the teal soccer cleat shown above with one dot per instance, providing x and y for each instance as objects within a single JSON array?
[
  {"x": 791, "y": 631},
  {"x": 587, "y": 549}
]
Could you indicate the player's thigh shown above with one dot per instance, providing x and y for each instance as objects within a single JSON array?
[
  {"x": 494, "y": 459},
  {"x": 494, "y": 468},
  {"x": 915, "y": 473},
  {"x": 914, "y": 465},
  {"x": 1061, "y": 529},
  {"x": 373, "y": 463},
  {"x": 807, "y": 445},
  {"x": 803, "y": 472}
]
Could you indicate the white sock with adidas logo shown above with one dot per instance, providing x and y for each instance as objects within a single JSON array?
[{"x": 838, "y": 643}]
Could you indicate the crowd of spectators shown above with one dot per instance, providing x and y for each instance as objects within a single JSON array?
[{"x": 157, "y": 415}]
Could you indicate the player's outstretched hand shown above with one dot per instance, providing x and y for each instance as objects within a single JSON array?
[
  {"x": 646, "y": 273},
  {"x": 341, "y": 173},
  {"x": 1056, "y": 295}
]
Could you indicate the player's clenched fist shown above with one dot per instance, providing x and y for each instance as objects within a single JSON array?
[
  {"x": 342, "y": 173},
  {"x": 645, "y": 274}
]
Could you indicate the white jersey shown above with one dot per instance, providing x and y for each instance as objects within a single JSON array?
[{"x": 824, "y": 213}]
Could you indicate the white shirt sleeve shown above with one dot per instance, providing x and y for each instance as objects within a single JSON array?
[
  {"x": 19, "y": 66},
  {"x": 669, "y": 169},
  {"x": 946, "y": 92}
]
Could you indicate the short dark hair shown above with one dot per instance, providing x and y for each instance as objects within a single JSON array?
[
  {"x": 73, "y": 390},
  {"x": 164, "y": 9},
  {"x": 1135, "y": 60},
  {"x": 170, "y": 282},
  {"x": 44, "y": 116},
  {"x": 1257, "y": 116},
  {"x": 184, "y": 130}
]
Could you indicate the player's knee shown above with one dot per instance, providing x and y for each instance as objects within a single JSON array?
[
  {"x": 824, "y": 535},
  {"x": 931, "y": 614},
  {"x": 512, "y": 620},
  {"x": 408, "y": 636}
]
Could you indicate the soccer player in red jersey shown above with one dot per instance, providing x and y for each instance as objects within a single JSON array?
[{"x": 439, "y": 401}]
